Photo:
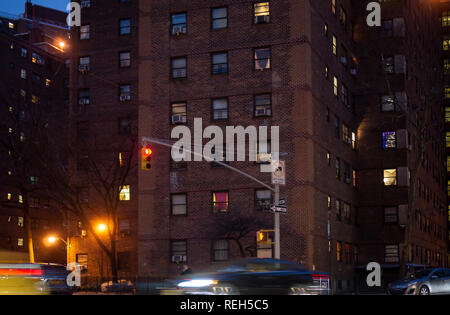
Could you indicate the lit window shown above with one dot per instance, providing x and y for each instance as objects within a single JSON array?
[
  {"x": 20, "y": 221},
  {"x": 124, "y": 193},
  {"x": 387, "y": 103},
  {"x": 339, "y": 251},
  {"x": 48, "y": 82},
  {"x": 220, "y": 202},
  {"x": 262, "y": 58},
  {"x": 179, "y": 24},
  {"x": 263, "y": 105},
  {"x": 20, "y": 242},
  {"x": 23, "y": 73},
  {"x": 85, "y": 32},
  {"x": 179, "y": 113},
  {"x": 446, "y": 43},
  {"x": 390, "y": 177},
  {"x": 35, "y": 58},
  {"x": 125, "y": 59},
  {"x": 261, "y": 12},
  {"x": 20, "y": 199},
  {"x": 335, "y": 49},
  {"x": 445, "y": 18},
  {"x": 389, "y": 140},
  {"x": 35, "y": 99},
  {"x": 11, "y": 25},
  {"x": 335, "y": 86},
  {"x": 447, "y": 92}
]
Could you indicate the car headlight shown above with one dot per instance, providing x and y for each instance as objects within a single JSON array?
[
  {"x": 412, "y": 285},
  {"x": 197, "y": 283}
]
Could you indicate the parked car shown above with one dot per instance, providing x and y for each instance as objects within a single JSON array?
[
  {"x": 424, "y": 282},
  {"x": 33, "y": 279},
  {"x": 255, "y": 276},
  {"x": 122, "y": 286}
]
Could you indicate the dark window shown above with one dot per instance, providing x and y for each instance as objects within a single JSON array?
[
  {"x": 125, "y": 59},
  {"x": 179, "y": 24},
  {"x": 178, "y": 250},
  {"x": 220, "y": 63},
  {"x": 125, "y": 92},
  {"x": 263, "y": 105},
  {"x": 220, "y": 109},
  {"x": 219, "y": 18},
  {"x": 125, "y": 26},
  {"x": 124, "y": 126},
  {"x": 221, "y": 249},
  {"x": 179, "y": 204},
  {"x": 179, "y": 67},
  {"x": 263, "y": 200},
  {"x": 123, "y": 260}
]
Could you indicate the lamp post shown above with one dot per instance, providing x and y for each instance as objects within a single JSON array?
[{"x": 53, "y": 239}]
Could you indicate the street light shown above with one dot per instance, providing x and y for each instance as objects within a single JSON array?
[{"x": 101, "y": 227}]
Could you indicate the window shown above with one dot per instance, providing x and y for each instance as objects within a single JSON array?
[
  {"x": 220, "y": 63},
  {"x": 347, "y": 253},
  {"x": 344, "y": 95},
  {"x": 123, "y": 260},
  {"x": 347, "y": 212},
  {"x": 391, "y": 215},
  {"x": 338, "y": 210},
  {"x": 124, "y": 126},
  {"x": 219, "y": 18},
  {"x": 35, "y": 58},
  {"x": 447, "y": 92},
  {"x": 343, "y": 16},
  {"x": 220, "y": 109},
  {"x": 334, "y": 46},
  {"x": 179, "y": 24},
  {"x": 23, "y": 74},
  {"x": 263, "y": 200},
  {"x": 20, "y": 221},
  {"x": 35, "y": 99},
  {"x": 333, "y": 6},
  {"x": 125, "y": 92},
  {"x": 346, "y": 134},
  {"x": 338, "y": 169},
  {"x": 124, "y": 227},
  {"x": 390, "y": 177},
  {"x": 82, "y": 260},
  {"x": 125, "y": 59},
  {"x": 347, "y": 173},
  {"x": 221, "y": 250},
  {"x": 85, "y": 64},
  {"x": 179, "y": 204},
  {"x": 337, "y": 131},
  {"x": 179, "y": 67},
  {"x": 124, "y": 158},
  {"x": 387, "y": 28},
  {"x": 387, "y": 103},
  {"x": 446, "y": 66},
  {"x": 179, "y": 113},
  {"x": 83, "y": 97},
  {"x": 20, "y": 242},
  {"x": 177, "y": 249},
  {"x": 389, "y": 140},
  {"x": 262, "y": 58},
  {"x": 24, "y": 52},
  {"x": 36, "y": 78},
  {"x": 124, "y": 194},
  {"x": 388, "y": 64},
  {"x": 445, "y": 18},
  {"x": 263, "y": 105},
  {"x": 125, "y": 27},
  {"x": 85, "y": 32},
  {"x": 261, "y": 12},
  {"x": 335, "y": 86},
  {"x": 339, "y": 251},
  {"x": 391, "y": 253},
  {"x": 220, "y": 202}
]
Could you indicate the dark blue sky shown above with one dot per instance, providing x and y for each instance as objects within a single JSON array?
[{"x": 18, "y": 6}]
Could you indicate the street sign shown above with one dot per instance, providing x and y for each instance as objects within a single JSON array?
[
  {"x": 282, "y": 202},
  {"x": 280, "y": 209},
  {"x": 278, "y": 173}
]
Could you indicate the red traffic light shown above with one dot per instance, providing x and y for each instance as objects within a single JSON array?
[{"x": 146, "y": 158}]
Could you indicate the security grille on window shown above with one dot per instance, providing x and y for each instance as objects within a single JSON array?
[
  {"x": 220, "y": 109},
  {"x": 263, "y": 105},
  {"x": 389, "y": 140},
  {"x": 263, "y": 200},
  {"x": 219, "y": 18},
  {"x": 179, "y": 113},
  {"x": 220, "y": 202},
  {"x": 179, "y": 204},
  {"x": 179, "y": 67},
  {"x": 125, "y": 92},
  {"x": 125, "y": 27},
  {"x": 261, "y": 12},
  {"x": 221, "y": 250},
  {"x": 262, "y": 58},
  {"x": 125, "y": 59},
  {"x": 179, "y": 24},
  {"x": 85, "y": 32},
  {"x": 220, "y": 63}
]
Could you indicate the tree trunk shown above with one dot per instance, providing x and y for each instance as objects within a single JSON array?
[{"x": 29, "y": 238}]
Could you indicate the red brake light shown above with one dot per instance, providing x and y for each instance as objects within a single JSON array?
[
  {"x": 320, "y": 277},
  {"x": 21, "y": 272}
]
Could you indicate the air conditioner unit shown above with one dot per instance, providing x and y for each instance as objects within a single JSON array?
[
  {"x": 353, "y": 71},
  {"x": 178, "y": 119},
  {"x": 262, "y": 112},
  {"x": 83, "y": 101},
  {"x": 84, "y": 68},
  {"x": 178, "y": 29},
  {"x": 179, "y": 258},
  {"x": 124, "y": 98},
  {"x": 262, "y": 19}
]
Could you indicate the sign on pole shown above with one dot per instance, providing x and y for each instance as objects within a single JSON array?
[{"x": 278, "y": 173}]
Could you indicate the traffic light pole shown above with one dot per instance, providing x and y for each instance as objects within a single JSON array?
[{"x": 277, "y": 222}]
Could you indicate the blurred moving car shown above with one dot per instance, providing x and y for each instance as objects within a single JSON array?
[
  {"x": 424, "y": 282},
  {"x": 33, "y": 279},
  {"x": 255, "y": 276},
  {"x": 122, "y": 286}
]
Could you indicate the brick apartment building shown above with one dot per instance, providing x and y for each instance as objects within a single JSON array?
[
  {"x": 33, "y": 75},
  {"x": 445, "y": 22},
  {"x": 302, "y": 65}
]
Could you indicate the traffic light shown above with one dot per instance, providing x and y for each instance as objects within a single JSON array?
[
  {"x": 264, "y": 237},
  {"x": 146, "y": 158}
]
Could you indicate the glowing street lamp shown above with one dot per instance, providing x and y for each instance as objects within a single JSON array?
[{"x": 102, "y": 227}]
